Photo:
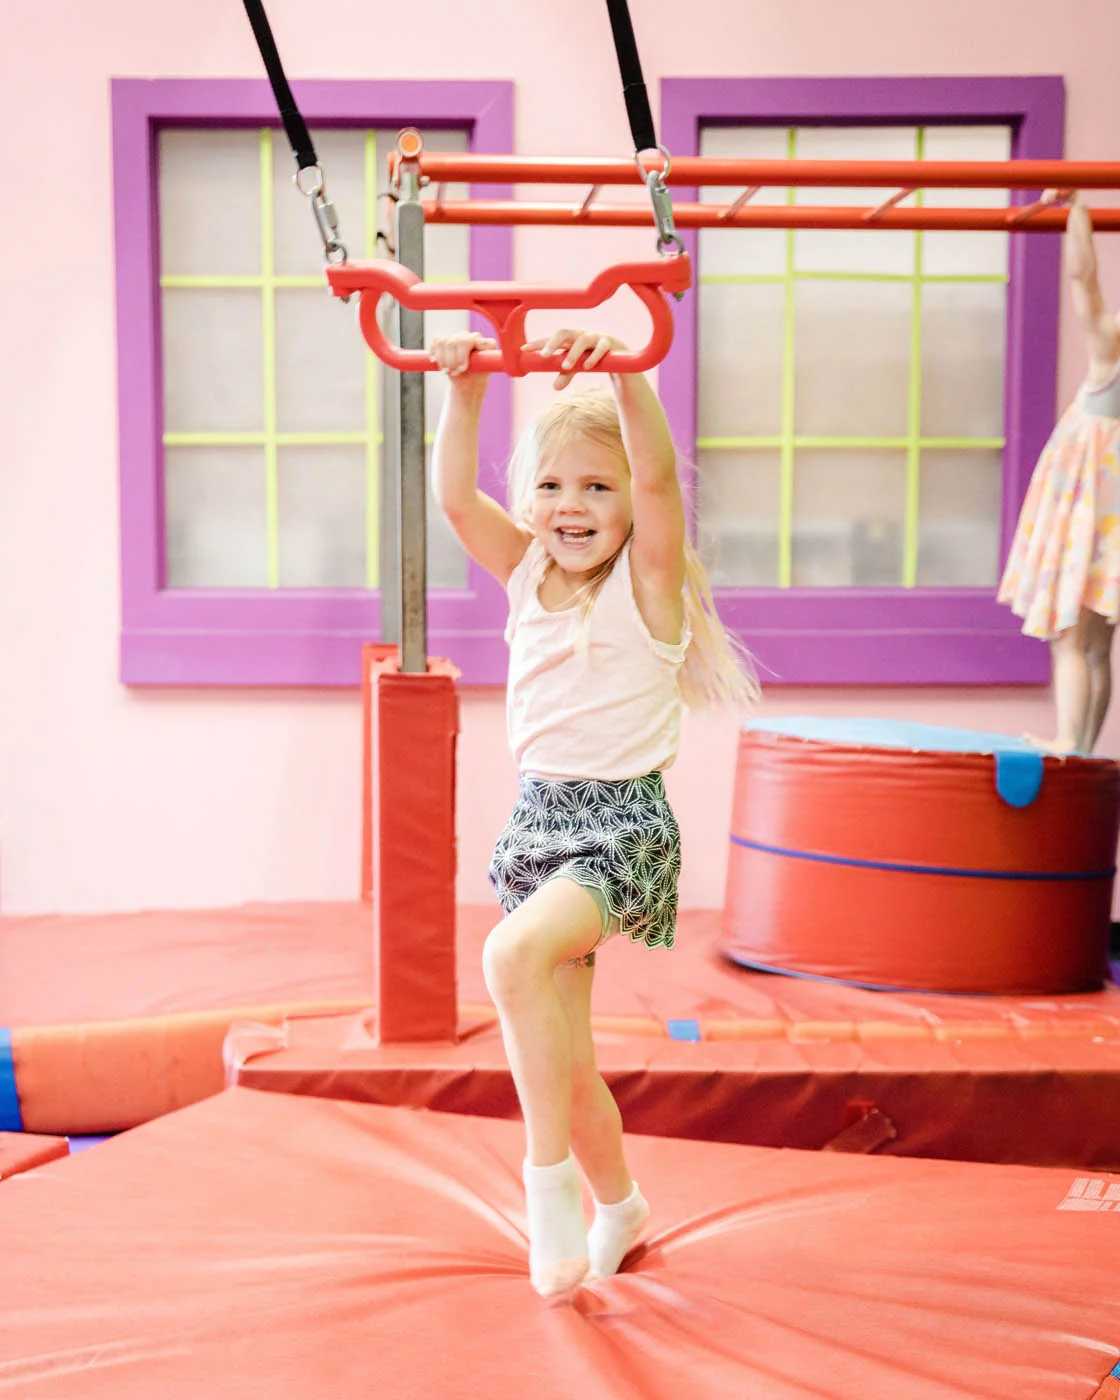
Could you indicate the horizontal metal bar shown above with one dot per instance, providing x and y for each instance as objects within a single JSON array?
[
  {"x": 729, "y": 170},
  {"x": 795, "y": 216}
]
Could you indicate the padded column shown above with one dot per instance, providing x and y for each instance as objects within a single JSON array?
[{"x": 409, "y": 868}]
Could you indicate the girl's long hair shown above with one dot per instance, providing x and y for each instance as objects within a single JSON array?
[{"x": 717, "y": 668}]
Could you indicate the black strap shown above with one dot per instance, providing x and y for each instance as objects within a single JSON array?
[
  {"x": 633, "y": 84},
  {"x": 298, "y": 135}
]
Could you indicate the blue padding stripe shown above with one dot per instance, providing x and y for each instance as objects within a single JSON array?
[
  {"x": 899, "y": 868},
  {"x": 11, "y": 1121},
  {"x": 1115, "y": 1370},
  {"x": 684, "y": 1030}
]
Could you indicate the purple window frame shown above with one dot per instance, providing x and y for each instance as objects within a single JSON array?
[
  {"x": 264, "y": 636},
  {"x": 853, "y": 636}
]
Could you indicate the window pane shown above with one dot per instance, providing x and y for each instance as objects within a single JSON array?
[
  {"x": 212, "y": 360},
  {"x": 210, "y": 203},
  {"x": 321, "y": 495},
  {"x": 738, "y": 515},
  {"x": 966, "y": 253},
  {"x": 963, "y": 345},
  {"x": 959, "y": 518},
  {"x": 320, "y": 364},
  {"x": 741, "y": 349},
  {"x": 214, "y": 507},
  {"x": 853, "y": 359},
  {"x": 849, "y": 510},
  {"x": 755, "y": 251},
  {"x": 853, "y": 250}
]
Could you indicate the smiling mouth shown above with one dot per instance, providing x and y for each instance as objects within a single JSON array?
[{"x": 573, "y": 535}]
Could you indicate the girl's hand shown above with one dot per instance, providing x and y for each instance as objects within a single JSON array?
[
  {"x": 452, "y": 353},
  {"x": 584, "y": 351},
  {"x": 1049, "y": 197}
]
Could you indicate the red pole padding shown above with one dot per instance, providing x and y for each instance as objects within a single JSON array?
[{"x": 410, "y": 735}]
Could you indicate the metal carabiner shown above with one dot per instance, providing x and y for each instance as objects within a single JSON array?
[
  {"x": 314, "y": 186},
  {"x": 669, "y": 242}
]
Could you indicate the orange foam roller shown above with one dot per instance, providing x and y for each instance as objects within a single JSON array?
[{"x": 909, "y": 856}]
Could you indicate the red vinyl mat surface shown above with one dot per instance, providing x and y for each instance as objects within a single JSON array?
[
  {"x": 19, "y": 1152},
  {"x": 160, "y": 964},
  {"x": 135, "y": 1028},
  {"x": 257, "y": 1245},
  {"x": 1000, "y": 1098}
]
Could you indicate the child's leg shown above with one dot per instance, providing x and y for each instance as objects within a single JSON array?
[
  {"x": 1071, "y": 684},
  {"x": 1098, "y": 649},
  {"x": 560, "y": 921},
  {"x": 596, "y": 1121},
  {"x": 620, "y": 1208}
]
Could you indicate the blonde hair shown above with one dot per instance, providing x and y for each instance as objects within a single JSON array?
[{"x": 718, "y": 669}]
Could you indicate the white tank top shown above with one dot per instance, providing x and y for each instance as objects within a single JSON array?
[{"x": 593, "y": 697}]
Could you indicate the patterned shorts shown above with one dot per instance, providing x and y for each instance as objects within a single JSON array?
[{"x": 618, "y": 839}]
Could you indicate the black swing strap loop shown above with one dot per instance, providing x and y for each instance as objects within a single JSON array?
[
  {"x": 633, "y": 84},
  {"x": 299, "y": 137},
  {"x": 641, "y": 125}
]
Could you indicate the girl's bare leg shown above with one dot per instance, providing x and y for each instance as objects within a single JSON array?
[
  {"x": 559, "y": 922},
  {"x": 620, "y": 1208},
  {"x": 1098, "y": 638},
  {"x": 1071, "y": 685}
]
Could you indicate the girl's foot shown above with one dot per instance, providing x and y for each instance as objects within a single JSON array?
[
  {"x": 614, "y": 1230},
  {"x": 1060, "y": 748},
  {"x": 557, "y": 1233}
]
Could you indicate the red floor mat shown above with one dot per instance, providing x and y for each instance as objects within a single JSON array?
[{"x": 257, "y": 1245}]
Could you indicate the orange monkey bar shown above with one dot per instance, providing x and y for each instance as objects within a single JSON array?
[
  {"x": 1039, "y": 218},
  {"x": 753, "y": 175},
  {"x": 442, "y": 168}
]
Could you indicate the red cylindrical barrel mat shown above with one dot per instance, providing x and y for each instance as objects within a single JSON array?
[{"x": 908, "y": 856}]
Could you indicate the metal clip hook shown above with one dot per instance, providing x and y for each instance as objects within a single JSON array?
[
  {"x": 668, "y": 240},
  {"x": 310, "y": 180},
  {"x": 327, "y": 219}
]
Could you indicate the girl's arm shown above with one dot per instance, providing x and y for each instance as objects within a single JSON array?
[
  {"x": 484, "y": 529},
  {"x": 1081, "y": 263},
  {"x": 657, "y": 553}
]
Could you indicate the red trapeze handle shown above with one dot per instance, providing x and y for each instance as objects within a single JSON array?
[{"x": 505, "y": 305}]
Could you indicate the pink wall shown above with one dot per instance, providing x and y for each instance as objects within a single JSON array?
[{"x": 111, "y": 799}]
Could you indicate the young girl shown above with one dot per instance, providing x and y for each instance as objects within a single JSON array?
[
  {"x": 1063, "y": 573},
  {"x": 610, "y": 623}
]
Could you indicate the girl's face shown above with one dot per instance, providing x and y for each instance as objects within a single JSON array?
[{"x": 580, "y": 509}]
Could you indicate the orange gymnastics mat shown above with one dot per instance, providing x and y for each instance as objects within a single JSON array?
[
  {"x": 259, "y": 1245},
  {"x": 115, "y": 1019}
]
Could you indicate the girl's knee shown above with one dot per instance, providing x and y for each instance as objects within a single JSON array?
[{"x": 507, "y": 960}]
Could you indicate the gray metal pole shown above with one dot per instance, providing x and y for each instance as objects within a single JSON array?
[
  {"x": 389, "y": 543},
  {"x": 413, "y": 492}
]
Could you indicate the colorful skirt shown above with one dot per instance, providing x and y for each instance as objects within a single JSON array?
[
  {"x": 1066, "y": 552},
  {"x": 619, "y": 840}
]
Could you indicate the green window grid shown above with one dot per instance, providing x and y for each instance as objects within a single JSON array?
[
  {"x": 268, "y": 281},
  {"x": 787, "y": 442}
]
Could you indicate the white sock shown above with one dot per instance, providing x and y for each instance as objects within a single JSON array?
[
  {"x": 557, "y": 1232},
  {"x": 613, "y": 1231}
]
